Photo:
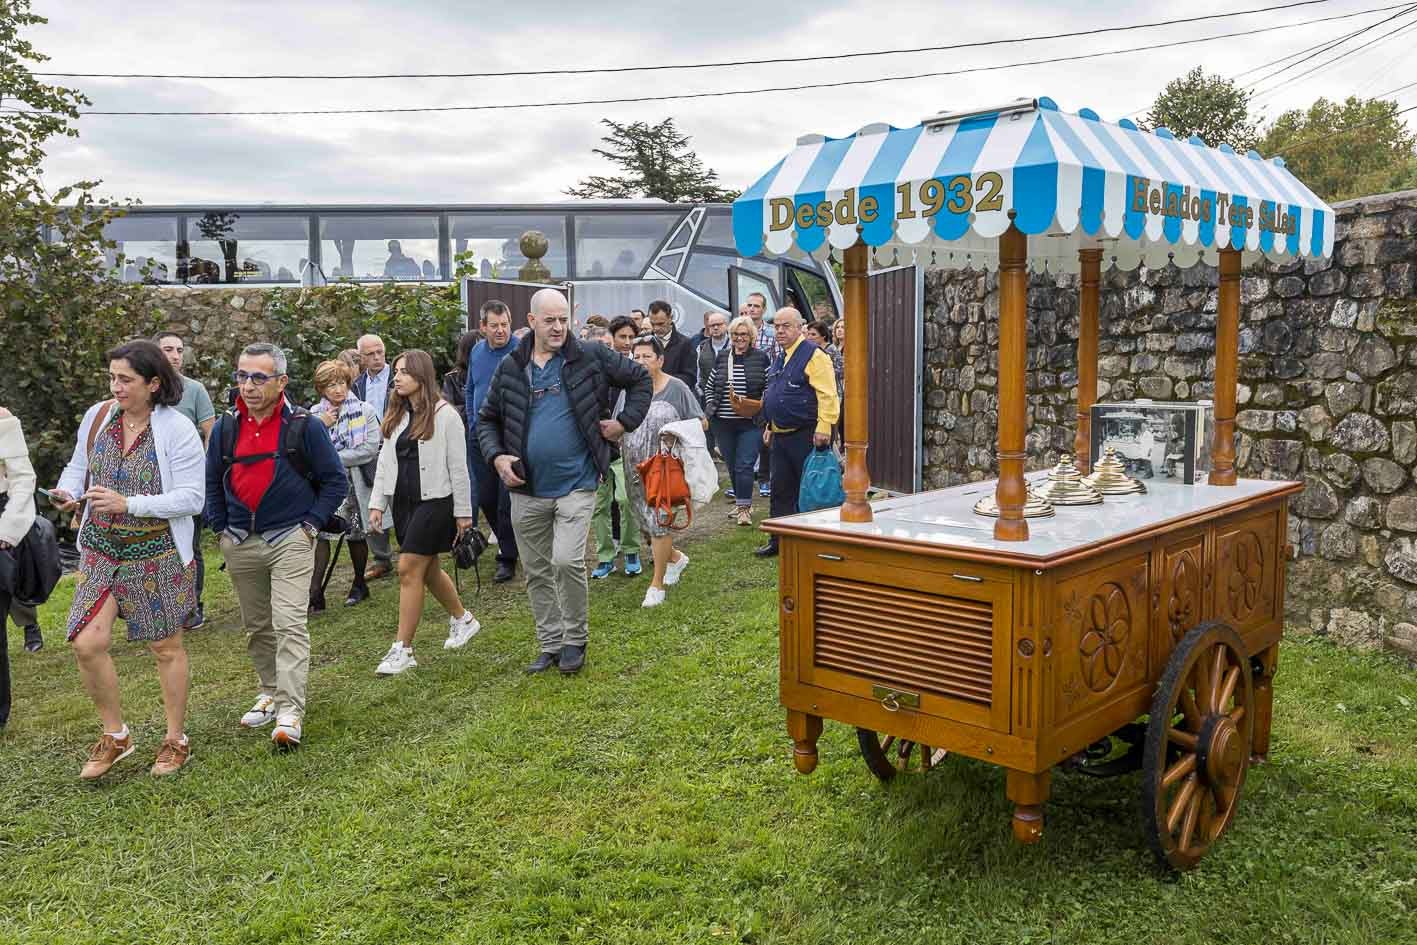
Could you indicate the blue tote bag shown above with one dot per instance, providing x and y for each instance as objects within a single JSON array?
[{"x": 821, "y": 481}]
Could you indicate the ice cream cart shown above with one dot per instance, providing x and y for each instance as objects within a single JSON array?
[{"x": 1071, "y": 616}]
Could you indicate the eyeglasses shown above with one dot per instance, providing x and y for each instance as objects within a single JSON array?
[
  {"x": 255, "y": 377},
  {"x": 539, "y": 392}
]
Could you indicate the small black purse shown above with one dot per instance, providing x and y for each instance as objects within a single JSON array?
[{"x": 467, "y": 548}]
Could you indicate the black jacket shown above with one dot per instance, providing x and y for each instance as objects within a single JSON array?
[
  {"x": 593, "y": 376},
  {"x": 681, "y": 359},
  {"x": 706, "y": 357},
  {"x": 454, "y": 385},
  {"x": 754, "y": 366}
]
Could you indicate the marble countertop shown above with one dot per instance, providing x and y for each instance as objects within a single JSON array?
[{"x": 945, "y": 517}]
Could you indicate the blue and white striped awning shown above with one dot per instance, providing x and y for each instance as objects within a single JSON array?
[{"x": 944, "y": 190}]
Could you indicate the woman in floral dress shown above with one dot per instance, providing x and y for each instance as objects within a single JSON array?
[{"x": 138, "y": 467}]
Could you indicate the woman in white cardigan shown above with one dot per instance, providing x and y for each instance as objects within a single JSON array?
[
  {"x": 17, "y": 482},
  {"x": 138, "y": 467},
  {"x": 422, "y": 474}
]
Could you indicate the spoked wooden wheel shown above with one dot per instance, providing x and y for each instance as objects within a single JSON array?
[
  {"x": 1197, "y": 745},
  {"x": 888, "y": 756}
]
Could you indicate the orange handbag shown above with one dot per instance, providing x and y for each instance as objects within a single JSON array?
[{"x": 666, "y": 489}]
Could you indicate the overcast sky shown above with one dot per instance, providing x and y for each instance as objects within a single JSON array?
[{"x": 532, "y": 155}]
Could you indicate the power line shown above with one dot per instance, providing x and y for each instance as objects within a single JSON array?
[
  {"x": 1329, "y": 62},
  {"x": 704, "y": 95},
  {"x": 1330, "y": 44},
  {"x": 795, "y": 60}
]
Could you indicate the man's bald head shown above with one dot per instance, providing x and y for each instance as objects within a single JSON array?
[{"x": 550, "y": 319}]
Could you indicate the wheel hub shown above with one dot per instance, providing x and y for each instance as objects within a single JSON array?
[{"x": 1220, "y": 751}]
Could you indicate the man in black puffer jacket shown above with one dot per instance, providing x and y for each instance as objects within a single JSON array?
[{"x": 546, "y": 429}]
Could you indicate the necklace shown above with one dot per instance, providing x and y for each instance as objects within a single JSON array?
[{"x": 135, "y": 427}]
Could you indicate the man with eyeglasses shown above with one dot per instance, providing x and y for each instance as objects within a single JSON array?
[
  {"x": 272, "y": 483},
  {"x": 372, "y": 386},
  {"x": 545, "y": 429}
]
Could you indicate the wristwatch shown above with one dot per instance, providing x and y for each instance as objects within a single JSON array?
[{"x": 310, "y": 531}]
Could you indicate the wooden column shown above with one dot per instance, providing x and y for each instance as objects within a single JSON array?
[
  {"x": 1011, "y": 493},
  {"x": 1088, "y": 299},
  {"x": 856, "y": 477},
  {"x": 1227, "y": 346}
]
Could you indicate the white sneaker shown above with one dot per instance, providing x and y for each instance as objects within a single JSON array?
[
  {"x": 461, "y": 631},
  {"x": 654, "y": 596},
  {"x": 675, "y": 568},
  {"x": 287, "y": 731},
  {"x": 398, "y": 659},
  {"x": 262, "y": 713}
]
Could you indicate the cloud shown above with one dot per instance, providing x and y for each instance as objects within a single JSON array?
[{"x": 533, "y": 155}]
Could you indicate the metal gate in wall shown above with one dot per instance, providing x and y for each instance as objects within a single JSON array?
[{"x": 897, "y": 351}]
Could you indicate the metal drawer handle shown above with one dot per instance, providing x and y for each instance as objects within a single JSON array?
[
  {"x": 966, "y": 577},
  {"x": 830, "y": 557}
]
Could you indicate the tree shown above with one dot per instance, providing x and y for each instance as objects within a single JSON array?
[
  {"x": 1349, "y": 149},
  {"x": 58, "y": 311},
  {"x": 1211, "y": 106},
  {"x": 657, "y": 162}
]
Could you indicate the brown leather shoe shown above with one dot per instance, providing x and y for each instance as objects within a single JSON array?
[
  {"x": 105, "y": 754},
  {"x": 376, "y": 572},
  {"x": 170, "y": 757}
]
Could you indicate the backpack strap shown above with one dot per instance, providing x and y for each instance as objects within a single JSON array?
[
  {"x": 92, "y": 438},
  {"x": 292, "y": 445}
]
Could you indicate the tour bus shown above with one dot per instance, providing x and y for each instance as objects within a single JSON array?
[{"x": 615, "y": 255}]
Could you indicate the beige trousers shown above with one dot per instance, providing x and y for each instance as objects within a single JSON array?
[
  {"x": 272, "y": 584},
  {"x": 551, "y": 539}
]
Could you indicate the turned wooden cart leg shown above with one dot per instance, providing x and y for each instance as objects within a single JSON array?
[
  {"x": 805, "y": 730},
  {"x": 1264, "y": 704},
  {"x": 1028, "y": 792}
]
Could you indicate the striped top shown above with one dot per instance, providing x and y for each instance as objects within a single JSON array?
[{"x": 739, "y": 384}]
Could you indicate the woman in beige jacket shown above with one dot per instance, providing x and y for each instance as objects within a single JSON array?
[
  {"x": 17, "y": 482},
  {"x": 422, "y": 479}
]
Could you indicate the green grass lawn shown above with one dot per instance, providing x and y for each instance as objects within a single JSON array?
[{"x": 652, "y": 800}]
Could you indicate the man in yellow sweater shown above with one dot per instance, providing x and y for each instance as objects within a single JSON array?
[{"x": 801, "y": 406}]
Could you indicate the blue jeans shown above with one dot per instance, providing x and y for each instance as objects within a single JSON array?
[{"x": 739, "y": 442}]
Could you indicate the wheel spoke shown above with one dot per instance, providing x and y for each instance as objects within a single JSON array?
[
  {"x": 1190, "y": 710},
  {"x": 925, "y": 752},
  {"x": 1178, "y": 771},
  {"x": 1217, "y": 667},
  {"x": 1202, "y": 687},
  {"x": 1237, "y": 714},
  {"x": 1188, "y": 826},
  {"x": 1227, "y": 688},
  {"x": 886, "y": 745},
  {"x": 1184, "y": 739},
  {"x": 1180, "y": 803}
]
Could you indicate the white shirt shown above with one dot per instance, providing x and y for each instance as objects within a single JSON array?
[{"x": 378, "y": 390}]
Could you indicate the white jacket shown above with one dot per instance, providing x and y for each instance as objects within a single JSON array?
[
  {"x": 690, "y": 445},
  {"x": 180, "y": 459},
  {"x": 442, "y": 464},
  {"x": 17, "y": 480}
]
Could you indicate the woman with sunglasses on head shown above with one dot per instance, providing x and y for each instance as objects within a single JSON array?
[
  {"x": 353, "y": 426},
  {"x": 738, "y": 378},
  {"x": 422, "y": 474},
  {"x": 673, "y": 401},
  {"x": 138, "y": 467}
]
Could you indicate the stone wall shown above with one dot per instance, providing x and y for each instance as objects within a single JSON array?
[{"x": 1328, "y": 395}]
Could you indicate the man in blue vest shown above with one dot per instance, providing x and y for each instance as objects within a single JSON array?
[{"x": 801, "y": 406}]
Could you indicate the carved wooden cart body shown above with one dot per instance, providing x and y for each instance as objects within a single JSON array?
[{"x": 1040, "y": 642}]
